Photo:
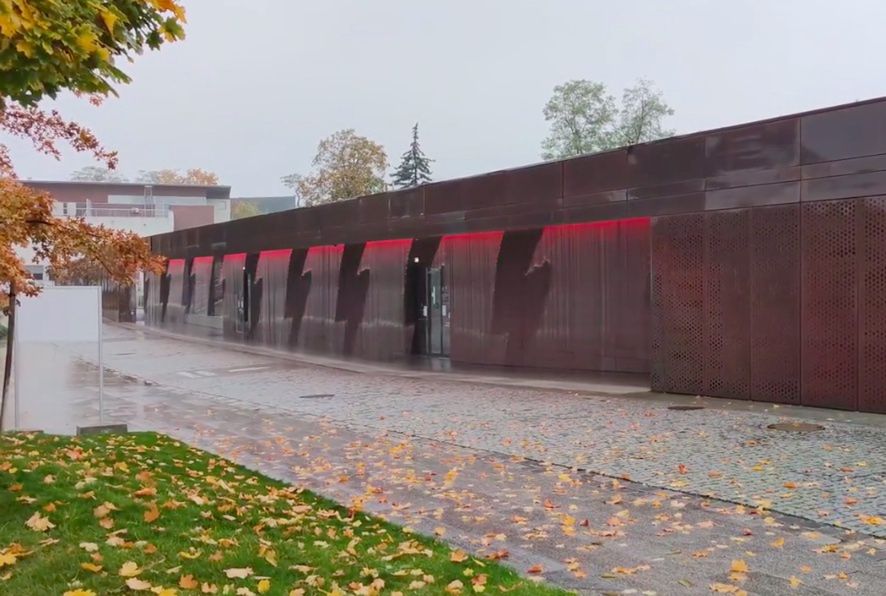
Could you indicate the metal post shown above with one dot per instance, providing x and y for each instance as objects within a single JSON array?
[{"x": 101, "y": 363}]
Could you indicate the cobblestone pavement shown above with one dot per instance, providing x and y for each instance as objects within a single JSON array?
[
  {"x": 499, "y": 469},
  {"x": 836, "y": 475}
]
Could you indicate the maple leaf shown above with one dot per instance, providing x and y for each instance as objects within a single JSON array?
[
  {"x": 152, "y": 513},
  {"x": 38, "y": 523},
  {"x": 79, "y": 593},
  {"x": 238, "y": 573},
  {"x": 7, "y": 559},
  {"x": 794, "y": 582},
  {"x": 91, "y": 567},
  {"x": 458, "y": 556},
  {"x": 187, "y": 582},
  {"x": 138, "y": 585},
  {"x": 129, "y": 569},
  {"x": 739, "y": 566}
]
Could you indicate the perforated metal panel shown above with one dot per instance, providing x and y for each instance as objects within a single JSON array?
[
  {"x": 829, "y": 316},
  {"x": 775, "y": 304},
  {"x": 677, "y": 303},
  {"x": 872, "y": 303},
  {"x": 726, "y": 309}
]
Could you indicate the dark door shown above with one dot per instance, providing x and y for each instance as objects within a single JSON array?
[
  {"x": 437, "y": 314},
  {"x": 243, "y": 294}
]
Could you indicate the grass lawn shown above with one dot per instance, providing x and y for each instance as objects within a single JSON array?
[{"x": 143, "y": 513}]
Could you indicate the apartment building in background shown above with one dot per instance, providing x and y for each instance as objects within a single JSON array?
[{"x": 146, "y": 209}]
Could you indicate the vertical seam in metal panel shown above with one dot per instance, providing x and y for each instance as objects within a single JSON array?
[{"x": 859, "y": 289}]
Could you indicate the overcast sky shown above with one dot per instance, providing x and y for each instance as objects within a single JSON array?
[{"x": 257, "y": 84}]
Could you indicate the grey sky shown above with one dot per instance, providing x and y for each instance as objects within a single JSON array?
[{"x": 257, "y": 84}]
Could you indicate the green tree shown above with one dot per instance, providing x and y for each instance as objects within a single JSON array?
[
  {"x": 241, "y": 209},
  {"x": 346, "y": 166},
  {"x": 96, "y": 174},
  {"x": 415, "y": 167},
  {"x": 47, "y": 47},
  {"x": 585, "y": 118}
]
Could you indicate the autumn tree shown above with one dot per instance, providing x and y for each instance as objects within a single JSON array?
[
  {"x": 346, "y": 166},
  {"x": 585, "y": 118},
  {"x": 168, "y": 176},
  {"x": 415, "y": 167},
  {"x": 46, "y": 48},
  {"x": 96, "y": 174},
  {"x": 241, "y": 209}
]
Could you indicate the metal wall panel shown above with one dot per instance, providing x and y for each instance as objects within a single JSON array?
[
  {"x": 726, "y": 307},
  {"x": 471, "y": 265},
  {"x": 383, "y": 332},
  {"x": 269, "y": 291},
  {"x": 174, "y": 312},
  {"x": 829, "y": 296},
  {"x": 201, "y": 272},
  {"x": 677, "y": 304},
  {"x": 872, "y": 307},
  {"x": 775, "y": 304},
  {"x": 317, "y": 328}
]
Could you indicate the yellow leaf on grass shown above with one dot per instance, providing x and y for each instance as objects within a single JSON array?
[
  {"x": 187, "y": 582},
  {"x": 152, "y": 513},
  {"x": 134, "y": 583},
  {"x": 159, "y": 591},
  {"x": 458, "y": 556},
  {"x": 38, "y": 523},
  {"x": 264, "y": 586},
  {"x": 79, "y": 593},
  {"x": 91, "y": 567},
  {"x": 89, "y": 547},
  {"x": 7, "y": 559},
  {"x": 241, "y": 573},
  {"x": 129, "y": 569},
  {"x": 454, "y": 587}
]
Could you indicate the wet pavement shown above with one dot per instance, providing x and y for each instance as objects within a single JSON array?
[{"x": 605, "y": 493}]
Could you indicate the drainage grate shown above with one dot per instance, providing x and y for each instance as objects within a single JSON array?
[
  {"x": 316, "y": 395},
  {"x": 797, "y": 427},
  {"x": 685, "y": 408}
]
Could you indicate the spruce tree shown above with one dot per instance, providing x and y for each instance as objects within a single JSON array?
[{"x": 415, "y": 167}]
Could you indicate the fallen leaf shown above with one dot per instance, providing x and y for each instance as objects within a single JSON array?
[
  {"x": 458, "y": 556},
  {"x": 134, "y": 583},
  {"x": 91, "y": 567},
  {"x": 187, "y": 582},
  {"x": 152, "y": 513},
  {"x": 264, "y": 586},
  {"x": 129, "y": 569},
  {"x": 38, "y": 523},
  {"x": 535, "y": 569},
  {"x": 241, "y": 573}
]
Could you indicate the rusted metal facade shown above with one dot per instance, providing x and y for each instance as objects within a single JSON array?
[{"x": 746, "y": 263}]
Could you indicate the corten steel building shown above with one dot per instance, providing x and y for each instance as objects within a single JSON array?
[{"x": 747, "y": 262}]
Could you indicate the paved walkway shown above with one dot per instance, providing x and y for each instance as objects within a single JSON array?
[{"x": 501, "y": 470}]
